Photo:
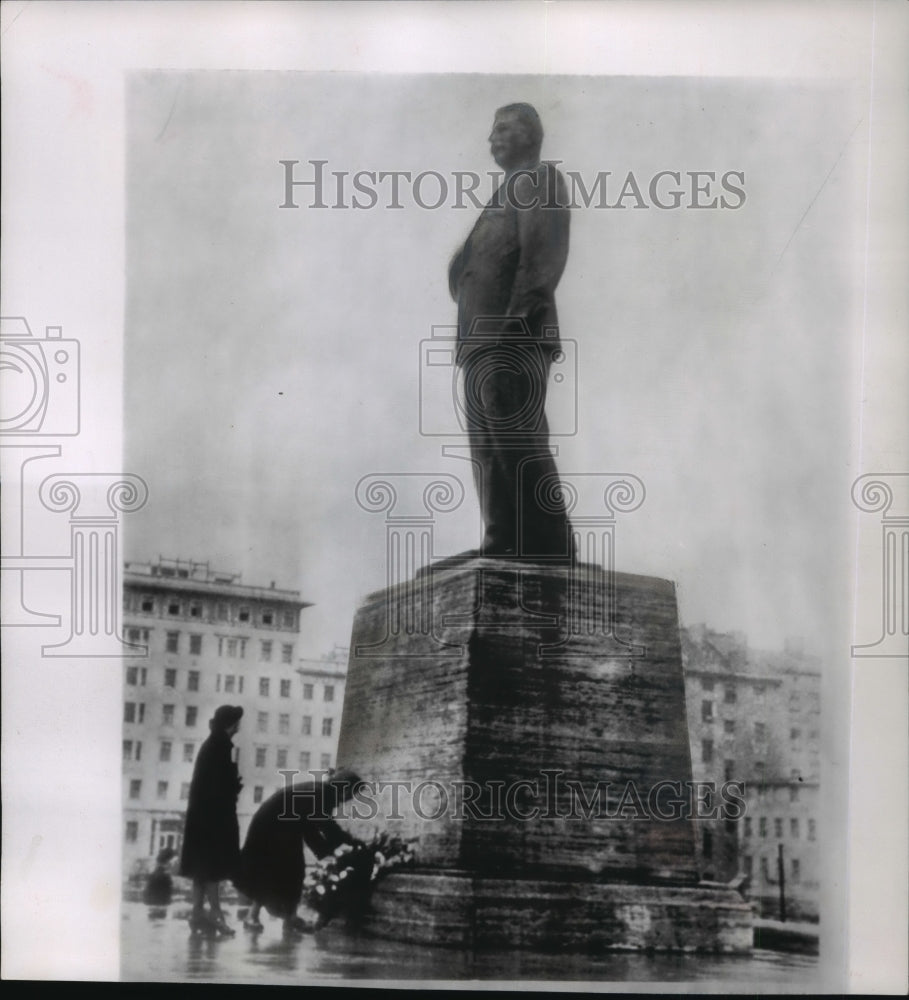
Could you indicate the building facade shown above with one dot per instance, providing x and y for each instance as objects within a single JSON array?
[
  {"x": 211, "y": 640},
  {"x": 754, "y": 718}
]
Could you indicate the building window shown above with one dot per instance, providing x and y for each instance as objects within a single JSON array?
[
  {"x": 747, "y": 826},
  {"x": 184, "y": 790},
  {"x": 162, "y": 789},
  {"x": 135, "y": 788},
  {"x": 229, "y": 681},
  {"x": 287, "y": 652},
  {"x": 129, "y": 711},
  {"x": 232, "y": 648},
  {"x": 305, "y": 760},
  {"x": 329, "y": 692},
  {"x": 173, "y": 608},
  {"x": 707, "y": 683},
  {"x": 192, "y": 715},
  {"x": 192, "y": 680},
  {"x": 707, "y": 845},
  {"x": 325, "y": 761},
  {"x": 132, "y": 676},
  {"x": 759, "y": 770},
  {"x": 307, "y": 692},
  {"x": 778, "y": 827},
  {"x": 765, "y": 870},
  {"x": 265, "y": 651},
  {"x": 243, "y": 615},
  {"x": 812, "y": 829},
  {"x": 728, "y": 769},
  {"x": 290, "y": 619},
  {"x": 796, "y": 870},
  {"x": 138, "y": 749},
  {"x": 167, "y": 715},
  {"x": 762, "y": 825},
  {"x": 242, "y": 649},
  {"x": 284, "y": 724},
  {"x": 707, "y": 751},
  {"x": 148, "y": 605},
  {"x": 729, "y": 727},
  {"x": 223, "y": 613},
  {"x": 282, "y": 757},
  {"x": 189, "y": 751},
  {"x": 257, "y": 793},
  {"x": 264, "y": 685},
  {"x": 195, "y": 645},
  {"x": 729, "y": 694},
  {"x": 268, "y": 618},
  {"x": 760, "y": 732},
  {"x": 285, "y": 689},
  {"x": 748, "y": 863},
  {"x": 172, "y": 642},
  {"x": 706, "y": 711},
  {"x": 794, "y": 827},
  {"x": 132, "y": 831},
  {"x": 170, "y": 677},
  {"x": 127, "y": 749},
  {"x": 195, "y": 610},
  {"x": 262, "y": 722},
  {"x": 793, "y": 793},
  {"x": 795, "y": 736},
  {"x": 138, "y": 635},
  {"x": 306, "y": 728},
  {"x": 326, "y": 726},
  {"x": 260, "y": 756},
  {"x": 240, "y": 685},
  {"x": 165, "y": 750}
]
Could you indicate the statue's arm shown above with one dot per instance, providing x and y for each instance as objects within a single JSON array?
[{"x": 543, "y": 243}]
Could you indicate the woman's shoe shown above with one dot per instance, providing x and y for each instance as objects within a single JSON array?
[
  {"x": 253, "y": 925},
  {"x": 199, "y": 923},
  {"x": 220, "y": 925}
]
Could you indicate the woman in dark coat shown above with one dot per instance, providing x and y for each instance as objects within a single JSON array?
[
  {"x": 211, "y": 837},
  {"x": 272, "y": 866}
]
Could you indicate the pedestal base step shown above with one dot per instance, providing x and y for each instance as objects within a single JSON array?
[{"x": 469, "y": 911}]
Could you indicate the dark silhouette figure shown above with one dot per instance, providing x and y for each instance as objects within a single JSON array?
[
  {"x": 211, "y": 839},
  {"x": 272, "y": 866},
  {"x": 504, "y": 280}
]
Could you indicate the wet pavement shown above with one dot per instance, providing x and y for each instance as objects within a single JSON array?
[{"x": 157, "y": 946}]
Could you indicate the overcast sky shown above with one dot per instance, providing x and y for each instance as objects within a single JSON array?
[{"x": 273, "y": 355}]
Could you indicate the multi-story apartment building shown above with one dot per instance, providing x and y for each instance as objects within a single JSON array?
[
  {"x": 213, "y": 640},
  {"x": 754, "y": 717}
]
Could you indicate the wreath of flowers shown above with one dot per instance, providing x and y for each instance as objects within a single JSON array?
[{"x": 349, "y": 873}]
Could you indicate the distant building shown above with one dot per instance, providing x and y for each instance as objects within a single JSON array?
[
  {"x": 754, "y": 717},
  {"x": 214, "y": 640}
]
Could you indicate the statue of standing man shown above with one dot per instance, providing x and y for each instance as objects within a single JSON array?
[{"x": 503, "y": 280}]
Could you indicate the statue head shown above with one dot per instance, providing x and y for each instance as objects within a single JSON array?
[{"x": 516, "y": 136}]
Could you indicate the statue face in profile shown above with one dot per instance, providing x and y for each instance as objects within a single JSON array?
[{"x": 509, "y": 141}]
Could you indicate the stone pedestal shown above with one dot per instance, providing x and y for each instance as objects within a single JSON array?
[{"x": 528, "y": 722}]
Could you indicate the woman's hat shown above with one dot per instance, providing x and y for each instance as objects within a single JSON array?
[{"x": 225, "y": 716}]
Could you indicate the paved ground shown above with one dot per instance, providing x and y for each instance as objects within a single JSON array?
[{"x": 156, "y": 945}]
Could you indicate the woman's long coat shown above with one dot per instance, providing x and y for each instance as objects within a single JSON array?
[
  {"x": 211, "y": 837},
  {"x": 272, "y": 866}
]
